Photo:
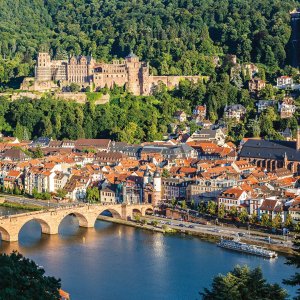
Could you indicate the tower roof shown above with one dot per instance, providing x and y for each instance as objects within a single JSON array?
[
  {"x": 131, "y": 55},
  {"x": 156, "y": 174}
]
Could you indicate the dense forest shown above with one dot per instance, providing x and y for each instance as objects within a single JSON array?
[
  {"x": 175, "y": 36},
  {"x": 134, "y": 119}
]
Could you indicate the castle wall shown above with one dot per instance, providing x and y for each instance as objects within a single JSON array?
[
  {"x": 83, "y": 70},
  {"x": 101, "y": 79}
]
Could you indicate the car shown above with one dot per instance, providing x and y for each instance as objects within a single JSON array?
[
  {"x": 202, "y": 223},
  {"x": 181, "y": 225},
  {"x": 191, "y": 226},
  {"x": 241, "y": 234}
]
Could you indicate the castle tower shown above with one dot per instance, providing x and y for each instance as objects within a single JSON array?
[
  {"x": 43, "y": 67},
  {"x": 145, "y": 82},
  {"x": 133, "y": 66},
  {"x": 298, "y": 139},
  {"x": 285, "y": 160}
]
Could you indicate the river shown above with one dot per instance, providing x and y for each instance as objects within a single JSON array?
[{"x": 114, "y": 261}]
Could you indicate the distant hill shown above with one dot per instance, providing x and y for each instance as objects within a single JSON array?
[{"x": 175, "y": 36}]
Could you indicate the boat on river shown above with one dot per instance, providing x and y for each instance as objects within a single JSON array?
[{"x": 243, "y": 247}]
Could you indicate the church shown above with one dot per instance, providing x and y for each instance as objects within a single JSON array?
[{"x": 272, "y": 155}]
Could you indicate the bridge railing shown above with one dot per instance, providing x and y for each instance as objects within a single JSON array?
[{"x": 65, "y": 207}]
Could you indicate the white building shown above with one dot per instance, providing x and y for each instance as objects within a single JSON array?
[{"x": 284, "y": 82}]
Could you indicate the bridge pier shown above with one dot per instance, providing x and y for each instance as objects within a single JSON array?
[
  {"x": 88, "y": 223},
  {"x": 10, "y": 237},
  {"x": 50, "y": 229}
]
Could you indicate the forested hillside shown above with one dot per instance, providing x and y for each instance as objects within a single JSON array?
[
  {"x": 175, "y": 36},
  {"x": 134, "y": 119}
]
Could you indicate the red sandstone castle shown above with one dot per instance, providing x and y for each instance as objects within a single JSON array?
[{"x": 85, "y": 71}]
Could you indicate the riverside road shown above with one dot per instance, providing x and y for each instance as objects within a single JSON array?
[{"x": 223, "y": 231}]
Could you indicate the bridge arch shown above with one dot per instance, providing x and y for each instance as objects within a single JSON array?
[
  {"x": 115, "y": 214},
  {"x": 45, "y": 226},
  {"x": 4, "y": 235},
  {"x": 147, "y": 211},
  {"x": 82, "y": 219},
  {"x": 136, "y": 211}
]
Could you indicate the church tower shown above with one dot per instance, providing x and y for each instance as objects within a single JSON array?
[
  {"x": 298, "y": 139},
  {"x": 146, "y": 177},
  {"x": 156, "y": 188}
]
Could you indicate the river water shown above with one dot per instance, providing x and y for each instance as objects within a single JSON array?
[{"x": 114, "y": 261}]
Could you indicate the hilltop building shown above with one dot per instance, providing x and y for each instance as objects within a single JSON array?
[{"x": 85, "y": 71}]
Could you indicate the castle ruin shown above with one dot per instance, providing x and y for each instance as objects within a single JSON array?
[{"x": 85, "y": 71}]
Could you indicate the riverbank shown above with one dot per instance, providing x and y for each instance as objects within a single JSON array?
[
  {"x": 130, "y": 223},
  {"x": 14, "y": 205},
  {"x": 209, "y": 236}
]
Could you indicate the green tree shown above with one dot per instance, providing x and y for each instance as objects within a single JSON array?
[
  {"x": 137, "y": 218},
  {"x": 202, "y": 208},
  {"x": 193, "y": 127},
  {"x": 21, "y": 278},
  {"x": 35, "y": 194},
  {"x": 243, "y": 283},
  {"x": 45, "y": 196},
  {"x": 38, "y": 153},
  {"x": 74, "y": 87},
  {"x": 277, "y": 221},
  {"x": 288, "y": 221},
  {"x": 265, "y": 220},
  {"x": 221, "y": 211},
  {"x": 21, "y": 132},
  {"x": 243, "y": 216},
  {"x": 233, "y": 212},
  {"x": 173, "y": 202},
  {"x": 17, "y": 191},
  {"x": 267, "y": 92},
  {"x": 61, "y": 193},
  {"x": 154, "y": 223},
  {"x": 212, "y": 207},
  {"x": 183, "y": 204},
  {"x": 294, "y": 260},
  {"x": 192, "y": 205},
  {"x": 165, "y": 173},
  {"x": 254, "y": 218},
  {"x": 92, "y": 194}
]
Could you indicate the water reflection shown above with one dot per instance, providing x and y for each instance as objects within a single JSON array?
[
  {"x": 114, "y": 261},
  {"x": 32, "y": 239}
]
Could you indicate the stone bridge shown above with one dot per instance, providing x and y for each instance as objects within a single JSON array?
[{"x": 50, "y": 220}]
